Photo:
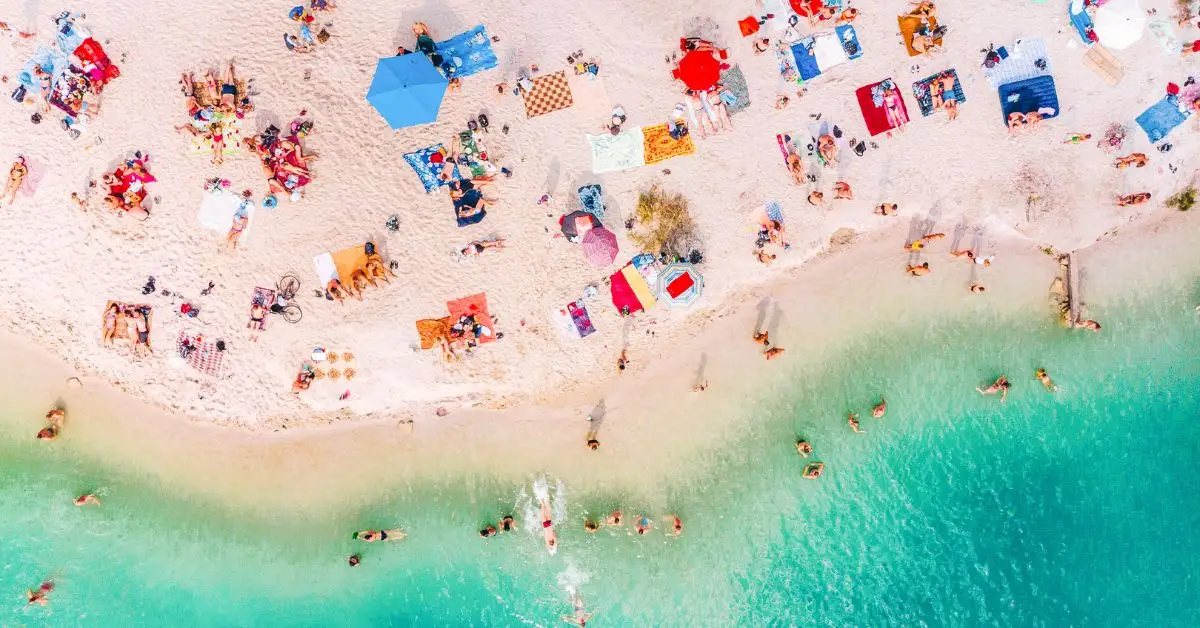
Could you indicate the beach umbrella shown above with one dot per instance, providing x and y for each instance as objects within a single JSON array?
[
  {"x": 680, "y": 285},
  {"x": 699, "y": 70},
  {"x": 1119, "y": 23},
  {"x": 600, "y": 246},
  {"x": 806, "y": 8},
  {"x": 575, "y": 222},
  {"x": 407, "y": 90}
]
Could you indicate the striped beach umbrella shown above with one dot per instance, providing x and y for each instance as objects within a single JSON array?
[
  {"x": 680, "y": 285},
  {"x": 600, "y": 246}
]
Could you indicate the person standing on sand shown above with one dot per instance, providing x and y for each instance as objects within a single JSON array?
[
  {"x": 999, "y": 386},
  {"x": 852, "y": 419},
  {"x": 622, "y": 362},
  {"x": 763, "y": 338},
  {"x": 976, "y": 288},
  {"x": 879, "y": 410},
  {"x": 701, "y": 387}
]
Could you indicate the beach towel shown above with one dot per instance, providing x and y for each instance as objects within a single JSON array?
[
  {"x": 736, "y": 93},
  {"x": 1161, "y": 118},
  {"x": 870, "y": 102},
  {"x": 218, "y": 208},
  {"x": 1021, "y": 64},
  {"x": 679, "y": 285},
  {"x": 785, "y": 58},
  {"x": 470, "y": 52},
  {"x": 431, "y": 330},
  {"x": 921, "y": 91},
  {"x": 630, "y": 291},
  {"x": 659, "y": 146},
  {"x": 849, "y": 39},
  {"x": 592, "y": 105},
  {"x": 204, "y": 356},
  {"x": 579, "y": 316},
  {"x": 1080, "y": 20},
  {"x": 828, "y": 52},
  {"x": 347, "y": 260},
  {"x": 591, "y": 197},
  {"x": 474, "y": 152},
  {"x": 1102, "y": 62},
  {"x": 909, "y": 25},
  {"x": 1164, "y": 33},
  {"x": 549, "y": 93},
  {"x": 428, "y": 170},
  {"x": 805, "y": 59},
  {"x": 231, "y": 132},
  {"x": 474, "y": 305},
  {"x": 326, "y": 269},
  {"x": 470, "y": 198},
  {"x": 52, "y": 61},
  {"x": 618, "y": 152},
  {"x": 1035, "y": 94}
]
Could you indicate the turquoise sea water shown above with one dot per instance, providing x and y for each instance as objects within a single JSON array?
[{"x": 1073, "y": 509}]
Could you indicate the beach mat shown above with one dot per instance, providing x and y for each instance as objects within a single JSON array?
[
  {"x": 618, "y": 152},
  {"x": 1021, "y": 63},
  {"x": 470, "y": 198},
  {"x": 1164, "y": 34},
  {"x": 1080, "y": 20},
  {"x": 470, "y": 52},
  {"x": 217, "y": 210},
  {"x": 232, "y": 137},
  {"x": 428, "y": 171},
  {"x": 806, "y": 59},
  {"x": 874, "y": 115},
  {"x": 549, "y": 93},
  {"x": 591, "y": 197},
  {"x": 735, "y": 85},
  {"x": 1035, "y": 94},
  {"x": 909, "y": 24},
  {"x": 592, "y": 105},
  {"x": 1161, "y": 118},
  {"x": 1102, "y": 62},
  {"x": 474, "y": 305},
  {"x": 326, "y": 269},
  {"x": 922, "y": 91},
  {"x": 347, "y": 260},
  {"x": 474, "y": 152},
  {"x": 659, "y": 146},
  {"x": 630, "y": 290},
  {"x": 204, "y": 357}
]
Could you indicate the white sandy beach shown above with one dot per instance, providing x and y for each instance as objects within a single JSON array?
[{"x": 63, "y": 264}]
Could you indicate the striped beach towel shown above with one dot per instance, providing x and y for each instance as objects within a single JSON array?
[{"x": 1021, "y": 63}]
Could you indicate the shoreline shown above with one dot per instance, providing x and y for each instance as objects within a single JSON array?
[{"x": 647, "y": 428}]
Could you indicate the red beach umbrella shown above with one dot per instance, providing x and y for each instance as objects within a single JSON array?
[
  {"x": 600, "y": 246},
  {"x": 700, "y": 71},
  {"x": 806, "y": 8}
]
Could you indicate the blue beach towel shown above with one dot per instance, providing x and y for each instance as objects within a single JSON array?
[
  {"x": 1082, "y": 22},
  {"x": 428, "y": 171},
  {"x": 592, "y": 199},
  {"x": 52, "y": 61},
  {"x": 1161, "y": 118},
  {"x": 849, "y": 39},
  {"x": 470, "y": 52},
  {"x": 806, "y": 61},
  {"x": 469, "y": 198},
  {"x": 1029, "y": 95}
]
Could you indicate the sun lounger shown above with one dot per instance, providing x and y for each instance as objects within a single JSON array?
[
  {"x": 618, "y": 152},
  {"x": 1030, "y": 95},
  {"x": 1162, "y": 117},
  {"x": 470, "y": 52},
  {"x": 428, "y": 170}
]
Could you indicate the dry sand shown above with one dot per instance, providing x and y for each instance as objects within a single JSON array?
[{"x": 63, "y": 264}]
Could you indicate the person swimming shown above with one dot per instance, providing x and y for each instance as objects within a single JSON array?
[
  {"x": 40, "y": 596},
  {"x": 508, "y": 524},
  {"x": 642, "y": 524},
  {"x": 999, "y": 386},
  {"x": 813, "y": 470},
  {"x": 580, "y": 616},
  {"x": 591, "y": 526},
  {"x": 852, "y": 419},
  {"x": 803, "y": 448},
  {"x": 488, "y": 531},
  {"x": 676, "y": 525},
  {"x": 370, "y": 536},
  {"x": 1044, "y": 377},
  {"x": 879, "y": 410},
  {"x": 614, "y": 518}
]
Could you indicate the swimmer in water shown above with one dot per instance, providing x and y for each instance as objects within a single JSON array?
[
  {"x": 614, "y": 518},
  {"x": 642, "y": 524},
  {"x": 676, "y": 525},
  {"x": 803, "y": 448},
  {"x": 489, "y": 531},
  {"x": 999, "y": 386},
  {"x": 56, "y": 417},
  {"x": 41, "y": 595},
  {"x": 879, "y": 410},
  {"x": 591, "y": 526},
  {"x": 548, "y": 527},
  {"x": 508, "y": 524},
  {"x": 370, "y": 536},
  {"x": 771, "y": 353},
  {"x": 87, "y": 499},
  {"x": 763, "y": 338},
  {"x": 354, "y": 560},
  {"x": 1088, "y": 324},
  {"x": 1044, "y": 377},
  {"x": 852, "y": 419},
  {"x": 813, "y": 470},
  {"x": 581, "y": 615},
  {"x": 976, "y": 288}
]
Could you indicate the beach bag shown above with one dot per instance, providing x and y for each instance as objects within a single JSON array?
[{"x": 18, "y": 94}]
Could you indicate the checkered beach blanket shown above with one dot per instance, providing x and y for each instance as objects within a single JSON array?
[
  {"x": 204, "y": 357},
  {"x": 549, "y": 93}
]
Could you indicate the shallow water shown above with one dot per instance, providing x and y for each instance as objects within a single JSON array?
[{"x": 1077, "y": 508}]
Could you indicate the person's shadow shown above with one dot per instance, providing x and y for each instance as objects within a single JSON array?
[{"x": 596, "y": 419}]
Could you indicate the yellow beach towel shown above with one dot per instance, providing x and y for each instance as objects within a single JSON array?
[{"x": 660, "y": 146}]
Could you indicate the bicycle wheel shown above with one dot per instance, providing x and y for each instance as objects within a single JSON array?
[
  {"x": 288, "y": 286},
  {"x": 292, "y": 313}
]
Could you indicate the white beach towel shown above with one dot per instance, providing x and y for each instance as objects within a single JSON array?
[
  {"x": 218, "y": 209},
  {"x": 829, "y": 52},
  {"x": 618, "y": 152},
  {"x": 1021, "y": 63},
  {"x": 326, "y": 269}
]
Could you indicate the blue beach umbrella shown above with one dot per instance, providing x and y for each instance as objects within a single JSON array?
[
  {"x": 680, "y": 285},
  {"x": 407, "y": 90}
]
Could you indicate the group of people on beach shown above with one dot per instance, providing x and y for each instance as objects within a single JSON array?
[{"x": 213, "y": 107}]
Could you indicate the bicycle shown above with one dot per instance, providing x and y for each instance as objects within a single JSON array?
[{"x": 285, "y": 290}]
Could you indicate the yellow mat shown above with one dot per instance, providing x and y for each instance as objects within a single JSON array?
[
  {"x": 660, "y": 146},
  {"x": 349, "y": 259},
  {"x": 908, "y": 28},
  {"x": 639, "y": 286}
]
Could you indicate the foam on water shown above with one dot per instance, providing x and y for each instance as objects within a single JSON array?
[{"x": 1073, "y": 508}]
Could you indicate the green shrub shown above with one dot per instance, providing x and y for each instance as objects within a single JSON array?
[
  {"x": 664, "y": 224},
  {"x": 1183, "y": 199}
]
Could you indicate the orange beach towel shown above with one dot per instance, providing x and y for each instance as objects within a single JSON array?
[{"x": 660, "y": 146}]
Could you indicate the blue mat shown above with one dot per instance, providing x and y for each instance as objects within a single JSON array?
[
  {"x": 592, "y": 200},
  {"x": 1161, "y": 118},
  {"x": 849, "y": 38},
  {"x": 1082, "y": 23},
  {"x": 469, "y": 53},
  {"x": 806, "y": 61},
  {"x": 1028, "y": 96},
  {"x": 52, "y": 61},
  {"x": 428, "y": 171}
]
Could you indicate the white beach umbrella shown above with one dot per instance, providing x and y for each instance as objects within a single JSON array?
[{"x": 1119, "y": 23}]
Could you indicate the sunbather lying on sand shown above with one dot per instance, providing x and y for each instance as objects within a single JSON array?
[
  {"x": 479, "y": 247},
  {"x": 16, "y": 176},
  {"x": 718, "y": 111},
  {"x": 1133, "y": 199},
  {"x": 795, "y": 167},
  {"x": 1134, "y": 159},
  {"x": 336, "y": 290},
  {"x": 376, "y": 269},
  {"x": 827, "y": 149},
  {"x": 842, "y": 191}
]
